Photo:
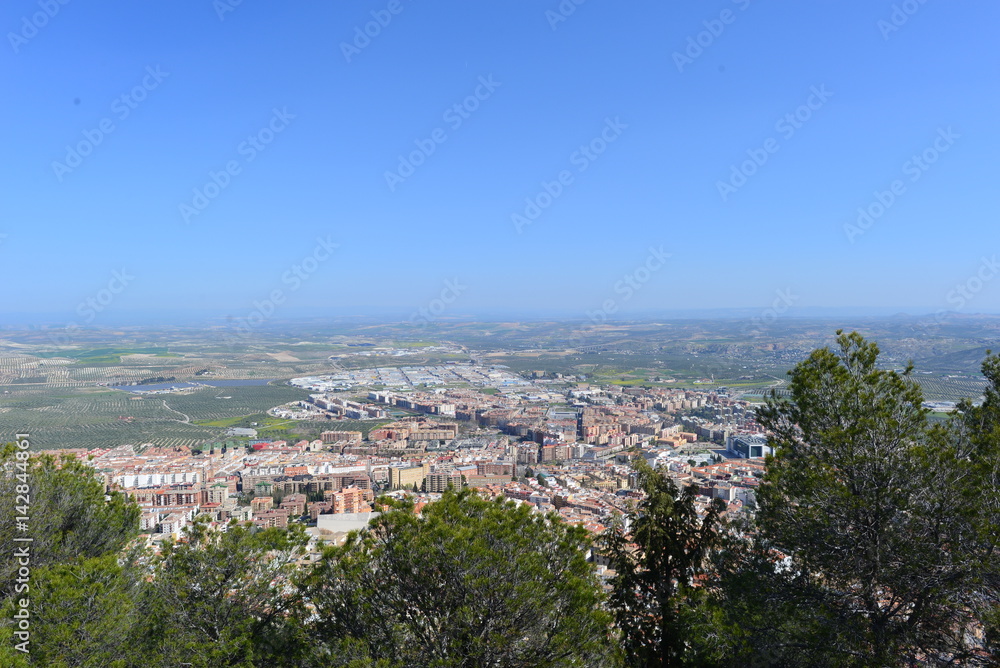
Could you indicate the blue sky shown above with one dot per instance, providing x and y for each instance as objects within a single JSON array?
[{"x": 670, "y": 97}]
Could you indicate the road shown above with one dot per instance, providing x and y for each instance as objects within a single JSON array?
[{"x": 186, "y": 420}]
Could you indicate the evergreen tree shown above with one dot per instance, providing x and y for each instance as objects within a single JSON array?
[
  {"x": 69, "y": 516},
  {"x": 81, "y": 614},
  {"x": 874, "y": 544},
  {"x": 656, "y": 556},
  {"x": 227, "y": 598},
  {"x": 977, "y": 425},
  {"x": 469, "y": 582}
]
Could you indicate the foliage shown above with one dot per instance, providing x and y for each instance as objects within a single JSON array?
[
  {"x": 979, "y": 426},
  {"x": 81, "y": 614},
  {"x": 216, "y": 598},
  {"x": 657, "y": 556},
  {"x": 78, "y": 597},
  {"x": 470, "y": 582},
  {"x": 69, "y": 518},
  {"x": 227, "y": 598},
  {"x": 870, "y": 547}
]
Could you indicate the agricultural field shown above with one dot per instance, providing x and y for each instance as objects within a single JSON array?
[
  {"x": 312, "y": 429},
  {"x": 93, "y": 419},
  {"x": 268, "y": 426},
  {"x": 100, "y": 417},
  {"x": 106, "y": 355},
  {"x": 935, "y": 389},
  {"x": 209, "y": 404},
  {"x": 951, "y": 389},
  {"x": 65, "y": 397}
]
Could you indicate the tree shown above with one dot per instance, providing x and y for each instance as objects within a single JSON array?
[
  {"x": 81, "y": 614},
  {"x": 873, "y": 544},
  {"x": 70, "y": 518},
  {"x": 656, "y": 553},
  {"x": 78, "y": 595},
  {"x": 223, "y": 596},
  {"x": 227, "y": 598},
  {"x": 469, "y": 582},
  {"x": 978, "y": 424}
]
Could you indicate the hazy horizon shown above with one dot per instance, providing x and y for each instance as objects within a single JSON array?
[{"x": 211, "y": 318}]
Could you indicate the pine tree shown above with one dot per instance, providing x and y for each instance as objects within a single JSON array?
[
  {"x": 656, "y": 558},
  {"x": 469, "y": 582},
  {"x": 875, "y": 536},
  {"x": 69, "y": 519},
  {"x": 227, "y": 598}
]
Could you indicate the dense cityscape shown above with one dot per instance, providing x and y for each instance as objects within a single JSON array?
[
  {"x": 442, "y": 461},
  {"x": 558, "y": 449}
]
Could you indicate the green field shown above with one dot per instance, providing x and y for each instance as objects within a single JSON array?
[
  {"x": 272, "y": 427},
  {"x": 935, "y": 389},
  {"x": 313, "y": 429},
  {"x": 94, "y": 418},
  {"x": 950, "y": 389},
  {"x": 105, "y": 355},
  {"x": 99, "y": 417},
  {"x": 243, "y": 421},
  {"x": 219, "y": 403},
  {"x": 102, "y": 417}
]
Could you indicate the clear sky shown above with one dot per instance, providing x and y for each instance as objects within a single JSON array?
[{"x": 727, "y": 148}]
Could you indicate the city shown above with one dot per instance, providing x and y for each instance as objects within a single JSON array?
[
  {"x": 520, "y": 334},
  {"x": 565, "y": 451}
]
